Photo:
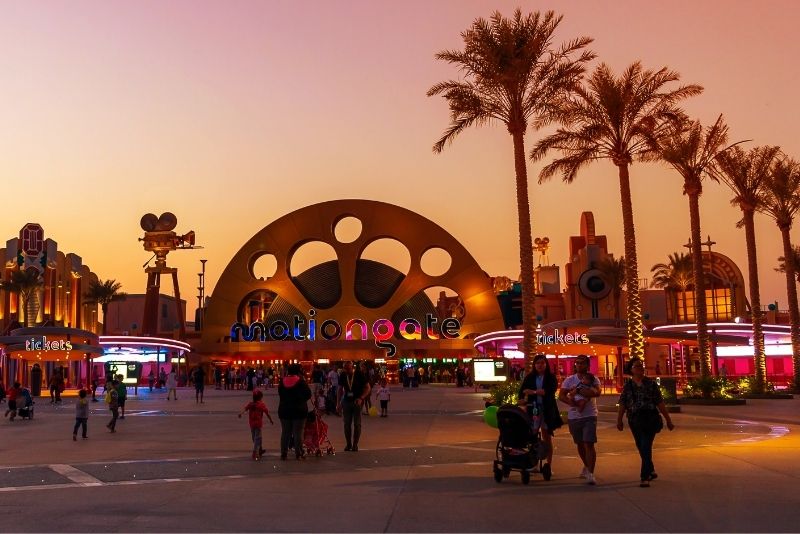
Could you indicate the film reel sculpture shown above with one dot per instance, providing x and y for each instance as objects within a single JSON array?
[{"x": 476, "y": 307}]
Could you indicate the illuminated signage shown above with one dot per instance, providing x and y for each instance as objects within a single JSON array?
[
  {"x": 131, "y": 372},
  {"x": 43, "y": 344},
  {"x": 562, "y": 339},
  {"x": 489, "y": 370},
  {"x": 382, "y": 330}
]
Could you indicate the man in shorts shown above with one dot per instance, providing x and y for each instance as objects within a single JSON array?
[{"x": 582, "y": 422}]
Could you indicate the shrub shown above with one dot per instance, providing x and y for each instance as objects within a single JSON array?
[
  {"x": 711, "y": 387},
  {"x": 503, "y": 393},
  {"x": 669, "y": 397},
  {"x": 747, "y": 384}
]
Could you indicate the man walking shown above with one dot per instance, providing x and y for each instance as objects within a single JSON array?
[
  {"x": 580, "y": 391},
  {"x": 353, "y": 389}
]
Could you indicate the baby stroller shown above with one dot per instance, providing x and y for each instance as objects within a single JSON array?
[
  {"x": 518, "y": 447},
  {"x": 315, "y": 437},
  {"x": 25, "y": 408}
]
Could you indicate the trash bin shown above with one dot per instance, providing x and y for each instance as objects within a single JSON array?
[{"x": 36, "y": 380}]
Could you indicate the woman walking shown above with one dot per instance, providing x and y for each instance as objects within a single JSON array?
[
  {"x": 641, "y": 399},
  {"x": 293, "y": 393},
  {"x": 538, "y": 391}
]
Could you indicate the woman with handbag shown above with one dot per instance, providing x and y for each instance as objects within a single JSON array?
[
  {"x": 538, "y": 394},
  {"x": 642, "y": 400}
]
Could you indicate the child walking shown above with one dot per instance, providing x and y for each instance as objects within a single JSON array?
[
  {"x": 384, "y": 395},
  {"x": 256, "y": 412},
  {"x": 81, "y": 415}
]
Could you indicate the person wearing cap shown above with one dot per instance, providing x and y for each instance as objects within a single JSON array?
[{"x": 582, "y": 419}]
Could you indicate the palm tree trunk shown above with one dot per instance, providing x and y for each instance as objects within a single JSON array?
[
  {"x": 104, "y": 308},
  {"x": 699, "y": 287},
  {"x": 634, "y": 303},
  {"x": 31, "y": 308},
  {"x": 794, "y": 312},
  {"x": 683, "y": 303},
  {"x": 525, "y": 248},
  {"x": 755, "y": 302}
]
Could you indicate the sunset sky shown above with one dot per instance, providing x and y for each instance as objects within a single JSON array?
[{"x": 232, "y": 114}]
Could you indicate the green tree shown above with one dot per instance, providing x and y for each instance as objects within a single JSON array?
[
  {"x": 512, "y": 74},
  {"x": 690, "y": 149},
  {"x": 780, "y": 200},
  {"x": 675, "y": 275},
  {"x": 25, "y": 284},
  {"x": 745, "y": 174},
  {"x": 622, "y": 119},
  {"x": 104, "y": 293},
  {"x": 795, "y": 261}
]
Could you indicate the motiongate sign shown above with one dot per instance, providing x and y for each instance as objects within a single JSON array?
[{"x": 305, "y": 329}]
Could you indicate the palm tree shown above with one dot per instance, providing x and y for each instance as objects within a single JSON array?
[
  {"x": 103, "y": 293},
  {"x": 621, "y": 119},
  {"x": 794, "y": 259},
  {"x": 613, "y": 272},
  {"x": 690, "y": 150},
  {"x": 745, "y": 174},
  {"x": 676, "y": 274},
  {"x": 26, "y": 284},
  {"x": 512, "y": 75},
  {"x": 781, "y": 201}
]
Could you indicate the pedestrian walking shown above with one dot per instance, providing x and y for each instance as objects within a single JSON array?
[
  {"x": 81, "y": 415},
  {"x": 199, "y": 384},
  {"x": 256, "y": 411},
  {"x": 384, "y": 395},
  {"x": 151, "y": 380},
  {"x": 582, "y": 417},
  {"x": 13, "y": 392},
  {"x": 172, "y": 384},
  {"x": 112, "y": 399},
  {"x": 641, "y": 399},
  {"x": 353, "y": 389},
  {"x": 293, "y": 394},
  {"x": 122, "y": 395},
  {"x": 538, "y": 392}
]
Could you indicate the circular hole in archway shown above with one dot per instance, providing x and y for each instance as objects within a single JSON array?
[
  {"x": 435, "y": 261},
  {"x": 310, "y": 255},
  {"x": 347, "y": 229},
  {"x": 389, "y": 252},
  {"x": 382, "y": 266},
  {"x": 264, "y": 267},
  {"x": 446, "y": 302}
]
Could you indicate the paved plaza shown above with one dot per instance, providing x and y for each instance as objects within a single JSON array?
[{"x": 182, "y": 466}]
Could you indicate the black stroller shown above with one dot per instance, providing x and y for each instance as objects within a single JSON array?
[
  {"x": 519, "y": 447},
  {"x": 25, "y": 404}
]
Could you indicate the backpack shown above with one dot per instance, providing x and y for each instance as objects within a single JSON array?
[{"x": 107, "y": 397}]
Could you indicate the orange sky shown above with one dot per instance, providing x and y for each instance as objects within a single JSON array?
[{"x": 233, "y": 114}]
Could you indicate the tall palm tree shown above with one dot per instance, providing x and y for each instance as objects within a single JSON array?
[
  {"x": 690, "y": 149},
  {"x": 781, "y": 201},
  {"x": 676, "y": 274},
  {"x": 621, "y": 119},
  {"x": 613, "y": 272},
  {"x": 512, "y": 74},
  {"x": 26, "y": 284},
  {"x": 794, "y": 259},
  {"x": 745, "y": 174},
  {"x": 103, "y": 293}
]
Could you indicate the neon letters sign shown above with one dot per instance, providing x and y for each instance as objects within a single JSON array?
[
  {"x": 42, "y": 344},
  {"x": 382, "y": 330}
]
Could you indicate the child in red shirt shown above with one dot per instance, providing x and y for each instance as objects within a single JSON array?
[
  {"x": 13, "y": 393},
  {"x": 257, "y": 410}
]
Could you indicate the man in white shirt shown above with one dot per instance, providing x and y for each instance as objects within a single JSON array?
[{"x": 580, "y": 391}]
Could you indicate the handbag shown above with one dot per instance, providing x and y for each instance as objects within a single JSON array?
[{"x": 646, "y": 421}]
